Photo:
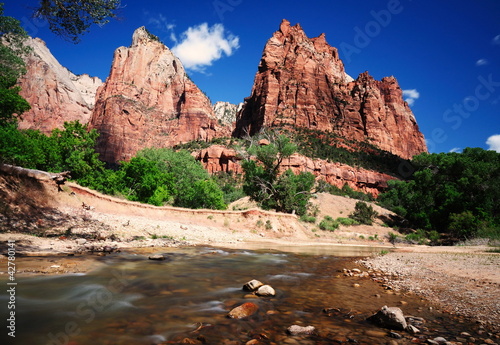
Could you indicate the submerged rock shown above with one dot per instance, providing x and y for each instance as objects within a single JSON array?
[
  {"x": 389, "y": 317},
  {"x": 242, "y": 311},
  {"x": 299, "y": 330},
  {"x": 156, "y": 257}
]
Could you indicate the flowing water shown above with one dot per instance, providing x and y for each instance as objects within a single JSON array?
[{"x": 185, "y": 299}]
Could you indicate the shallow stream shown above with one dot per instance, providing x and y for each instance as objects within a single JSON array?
[{"x": 186, "y": 298}]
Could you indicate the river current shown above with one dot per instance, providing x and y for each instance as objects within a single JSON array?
[{"x": 186, "y": 298}]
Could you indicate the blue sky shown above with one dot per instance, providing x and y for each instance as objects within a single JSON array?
[{"x": 446, "y": 54}]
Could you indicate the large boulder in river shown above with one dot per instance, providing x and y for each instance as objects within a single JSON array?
[
  {"x": 252, "y": 285},
  {"x": 389, "y": 317},
  {"x": 265, "y": 291}
]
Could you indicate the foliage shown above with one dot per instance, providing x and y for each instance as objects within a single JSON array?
[
  {"x": 72, "y": 18},
  {"x": 347, "y": 221},
  {"x": 12, "y": 67},
  {"x": 324, "y": 187},
  {"x": 263, "y": 183},
  {"x": 307, "y": 218},
  {"x": 363, "y": 213},
  {"x": 329, "y": 224},
  {"x": 331, "y": 147},
  {"x": 454, "y": 193},
  {"x": 231, "y": 185},
  {"x": 70, "y": 149}
]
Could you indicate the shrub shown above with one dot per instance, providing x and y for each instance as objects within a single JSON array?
[
  {"x": 347, "y": 221},
  {"x": 363, "y": 213},
  {"x": 328, "y": 224},
  {"x": 307, "y": 218}
]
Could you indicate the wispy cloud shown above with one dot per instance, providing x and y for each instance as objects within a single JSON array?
[
  {"x": 201, "y": 45},
  {"x": 481, "y": 62},
  {"x": 496, "y": 40},
  {"x": 160, "y": 23},
  {"x": 410, "y": 96},
  {"x": 456, "y": 149},
  {"x": 494, "y": 143}
]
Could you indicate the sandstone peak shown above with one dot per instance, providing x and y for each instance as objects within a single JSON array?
[
  {"x": 149, "y": 101},
  {"x": 55, "y": 94},
  {"x": 142, "y": 36},
  {"x": 301, "y": 82}
]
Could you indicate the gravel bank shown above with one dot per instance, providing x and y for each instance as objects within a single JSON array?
[{"x": 467, "y": 284}]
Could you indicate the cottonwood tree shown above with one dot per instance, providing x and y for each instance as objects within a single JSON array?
[{"x": 285, "y": 192}]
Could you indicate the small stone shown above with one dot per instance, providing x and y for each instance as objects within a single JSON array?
[
  {"x": 440, "y": 340},
  {"x": 395, "y": 335},
  {"x": 465, "y": 334},
  {"x": 412, "y": 329},
  {"x": 432, "y": 342},
  {"x": 252, "y": 285},
  {"x": 389, "y": 318},
  {"x": 356, "y": 285},
  {"x": 244, "y": 310},
  {"x": 80, "y": 241},
  {"x": 252, "y": 342},
  {"x": 489, "y": 341},
  {"x": 156, "y": 257},
  {"x": 265, "y": 291},
  {"x": 356, "y": 270},
  {"x": 392, "y": 342},
  {"x": 375, "y": 333},
  {"x": 299, "y": 330},
  {"x": 249, "y": 296}
]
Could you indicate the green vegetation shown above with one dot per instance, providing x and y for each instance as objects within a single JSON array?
[
  {"x": 453, "y": 193},
  {"x": 72, "y": 18},
  {"x": 331, "y": 147},
  {"x": 329, "y": 224},
  {"x": 363, "y": 213},
  {"x": 285, "y": 192}
]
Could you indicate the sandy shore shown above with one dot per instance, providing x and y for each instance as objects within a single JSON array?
[{"x": 463, "y": 280}]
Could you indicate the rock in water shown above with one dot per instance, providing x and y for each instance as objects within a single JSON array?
[
  {"x": 265, "y": 291},
  {"x": 156, "y": 257},
  {"x": 389, "y": 317},
  {"x": 299, "y": 330},
  {"x": 252, "y": 285},
  {"x": 242, "y": 311}
]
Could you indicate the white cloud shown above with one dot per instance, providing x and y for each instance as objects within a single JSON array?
[
  {"x": 496, "y": 40},
  {"x": 494, "y": 143},
  {"x": 201, "y": 45},
  {"x": 481, "y": 62},
  {"x": 456, "y": 149},
  {"x": 410, "y": 96}
]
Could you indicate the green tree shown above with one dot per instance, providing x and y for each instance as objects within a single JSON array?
[
  {"x": 72, "y": 18},
  {"x": 264, "y": 184},
  {"x": 11, "y": 67},
  {"x": 363, "y": 213},
  {"x": 457, "y": 193}
]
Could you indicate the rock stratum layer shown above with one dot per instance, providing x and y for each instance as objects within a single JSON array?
[
  {"x": 149, "y": 101},
  {"x": 55, "y": 94},
  {"x": 218, "y": 158},
  {"x": 301, "y": 82}
]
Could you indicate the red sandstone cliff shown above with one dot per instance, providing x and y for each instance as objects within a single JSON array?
[
  {"x": 55, "y": 94},
  {"x": 301, "y": 82},
  {"x": 149, "y": 101},
  {"x": 217, "y": 158}
]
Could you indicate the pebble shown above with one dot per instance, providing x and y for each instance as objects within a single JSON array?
[
  {"x": 375, "y": 334},
  {"x": 252, "y": 285}
]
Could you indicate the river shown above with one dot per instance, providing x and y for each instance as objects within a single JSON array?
[{"x": 186, "y": 298}]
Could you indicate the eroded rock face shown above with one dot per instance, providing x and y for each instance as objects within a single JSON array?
[
  {"x": 226, "y": 112},
  {"x": 149, "y": 101},
  {"x": 55, "y": 94},
  {"x": 301, "y": 82},
  {"x": 217, "y": 158}
]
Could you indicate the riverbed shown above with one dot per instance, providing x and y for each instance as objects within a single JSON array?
[{"x": 129, "y": 299}]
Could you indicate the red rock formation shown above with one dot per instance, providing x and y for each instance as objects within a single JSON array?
[
  {"x": 149, "y": 101},
  {"x": 55, "y": 94},
  {"x": 301, "y": 82},
  {"x": 217, "y": 158}
]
